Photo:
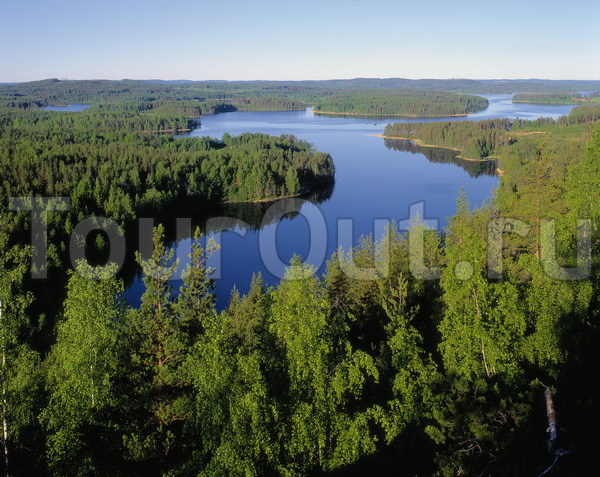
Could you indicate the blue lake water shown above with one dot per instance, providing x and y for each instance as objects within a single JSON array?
[
  {"x": 375, "y": 179},
  {"x": 68, "y": 107}
]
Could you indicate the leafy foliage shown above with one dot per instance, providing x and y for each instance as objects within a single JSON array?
[{"x": 317, "y": 374}]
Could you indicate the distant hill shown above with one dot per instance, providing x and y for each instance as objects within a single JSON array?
[{"x": 35, "y": 94}]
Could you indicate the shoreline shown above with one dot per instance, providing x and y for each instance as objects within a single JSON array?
[
  {"x": 419, "y": 142},
  {"x": 169, "y": 131},
  {"x": 550, "y": 104},
  {"x": 273, "y": 199},
  {"x": 252, "y": 111},
  {"x": 458, "y": 115},
  {"x": 266, "y": 199}
]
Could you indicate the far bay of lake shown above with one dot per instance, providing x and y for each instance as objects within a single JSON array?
[
  {"x": 72, "y": 108},
  {"x": 375, "y": 179}
]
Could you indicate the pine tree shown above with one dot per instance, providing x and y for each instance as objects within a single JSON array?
[
  {"x": 162, "y": 334},
  {"x": 196, "y": 300},
  {"x": 156, "y": 394},
  {"x": 412, "y": 370}
]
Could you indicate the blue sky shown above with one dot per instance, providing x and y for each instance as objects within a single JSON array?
[{"x": 302, "y": 39}]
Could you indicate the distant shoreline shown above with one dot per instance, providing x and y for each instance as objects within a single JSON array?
[
  {"x": 170, "y": 131},
  {"x": 552, "y": 103},
  {"x": 276, "y": 110},
  {"x": 461, "y": 115},
  {"x": 266, "y": 199}
]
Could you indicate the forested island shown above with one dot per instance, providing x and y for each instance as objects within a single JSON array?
[
  {"x": 550, "y": 98},
  {"x": 401, "y": 103},
  {"x": 332, "y": 375}
]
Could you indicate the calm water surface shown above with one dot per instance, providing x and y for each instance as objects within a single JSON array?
[
  {"x": 67, "y": 107},
  {"x": 374, "y": 179}
]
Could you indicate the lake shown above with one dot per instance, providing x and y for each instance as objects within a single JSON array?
[
  {"x": 74, "y": 108},
  {"x": 375, "y": 179}
]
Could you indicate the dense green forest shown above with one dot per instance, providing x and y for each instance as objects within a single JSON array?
[
  {"x": 196, "y": 99},
  {"x": 275, "y": 94},
  {"x": 331, "y": 375},
  {"x": 401, "y": 103},
  {"x": 482, "y": 139},
  {"x": 196, "y": 108},
  {"x": 142, "y": 95},
  {"x": 474, "y": 139},
  {"x": 106, "y": 162},
  {"x": 549, "y": 98},
  {"x": 317, "y": 374}
]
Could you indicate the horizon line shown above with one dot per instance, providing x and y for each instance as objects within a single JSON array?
[{"x": 297, "y": 80}]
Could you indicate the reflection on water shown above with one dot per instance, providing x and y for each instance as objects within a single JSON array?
[
  {"x": 444, "y": 156},
  {"x": 246, "y": 218},
  {"x": 254, "y": 214},
  {"x": 250, "y": 216}
]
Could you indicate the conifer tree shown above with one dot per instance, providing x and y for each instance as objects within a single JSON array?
[{"x": 157, "y": 392}]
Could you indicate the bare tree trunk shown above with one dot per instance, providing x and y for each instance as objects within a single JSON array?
[
  {"x": 551, "y": 415},
  {"x": 487, "y": 370}
]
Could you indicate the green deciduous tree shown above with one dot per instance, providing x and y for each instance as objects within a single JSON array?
[
  {"x": 237, "y": 419},
  {"x": 20, "y": 377},
  {"x": 325, "y": 426},
  {"x": 82, "y": 369}
]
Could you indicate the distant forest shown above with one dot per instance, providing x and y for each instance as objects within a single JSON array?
[
  {"x": 402, "y": 103},
  {"x": 215, "y": 96},
  {"x": 550, "y": 98}
]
